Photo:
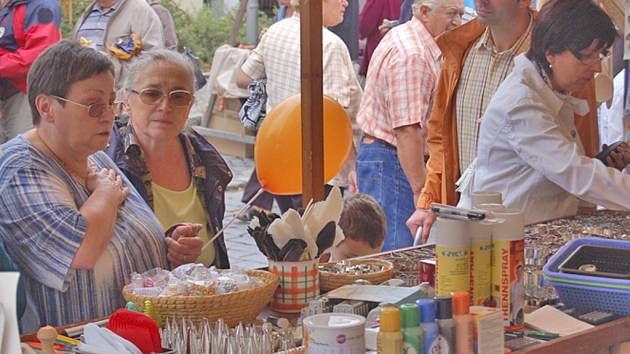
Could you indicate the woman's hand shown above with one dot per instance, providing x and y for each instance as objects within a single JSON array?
[
  {"x": 107, "y": 183},
  {"x": 619, "y": 158},
  {"x": 184, "y": 245}
]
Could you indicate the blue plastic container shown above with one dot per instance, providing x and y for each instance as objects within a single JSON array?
[{"x": 584, "y": 292}]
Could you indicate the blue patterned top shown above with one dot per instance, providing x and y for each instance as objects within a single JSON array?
[{"x": 42, "y": 229}]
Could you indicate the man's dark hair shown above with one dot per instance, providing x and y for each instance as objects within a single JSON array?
[
  {"x": 59, "y": 67},
  {"x": 362, "y": 219},
  {"x": 569, "y": 25}
]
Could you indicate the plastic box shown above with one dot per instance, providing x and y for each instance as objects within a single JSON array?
[{"x": 589, "y": 292}]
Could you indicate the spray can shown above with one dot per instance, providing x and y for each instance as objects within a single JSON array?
[
  {"x": 412, "y": 332},
  {"x": 481, "y": 262},
  {"x": 446, "y": 324},
  {"x": 463, "y": 323},
  {"x": 429, "y": 326},
  {"x": 390, "y": 339},
  {"x": 452, "y": 249},
  {"x": 508, "y": 264}
]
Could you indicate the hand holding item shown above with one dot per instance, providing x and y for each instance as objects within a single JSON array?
[
  {"x": 619, "y": 157},
  {"x": 616, "y": 155},
  {"x": 107, "y": 182},
  {"x": 184, "y": 244},
  {"x": 423, "y": 218},
  {"x": 385, "y": 26}
]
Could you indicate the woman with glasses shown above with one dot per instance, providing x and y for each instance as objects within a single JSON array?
[
  {"x": 178, "y": 173},
  {"x": 68, "y": 218},
  {"x": 529, "y": 149}
]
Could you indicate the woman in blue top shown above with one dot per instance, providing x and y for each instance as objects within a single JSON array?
[{"x": 72, "y": 223}]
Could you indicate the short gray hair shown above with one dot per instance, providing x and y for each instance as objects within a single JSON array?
[
  {"x": 61, "y": 66},
  {"x": 418, "y": 3},
  {"x": 164, "y": 55}
]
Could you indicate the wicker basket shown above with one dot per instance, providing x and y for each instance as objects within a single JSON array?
[
  {"x": 330, "y": 281},
  {"x": 239, "y": 306}
]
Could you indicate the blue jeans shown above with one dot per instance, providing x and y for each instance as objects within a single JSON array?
[{"x": 380, "y": 175}]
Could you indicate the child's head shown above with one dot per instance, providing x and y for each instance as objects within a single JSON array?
[{"x": 363, "y": 223}]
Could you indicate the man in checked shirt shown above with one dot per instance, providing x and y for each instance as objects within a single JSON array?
[{"x": 400, "y": 81}]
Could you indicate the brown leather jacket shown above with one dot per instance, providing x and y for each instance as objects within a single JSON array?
[{"x": 443, "y": 166}]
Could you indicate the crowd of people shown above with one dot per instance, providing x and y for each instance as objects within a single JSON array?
[{"x": 100, "y": 176}]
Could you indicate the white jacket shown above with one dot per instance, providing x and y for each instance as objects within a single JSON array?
[{"x": 529, "y": 150}]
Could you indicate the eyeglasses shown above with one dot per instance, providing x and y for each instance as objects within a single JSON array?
[
  {"x": 95, "y": 110},
  {"x": 153, "y": 96},
  {"x": 593, "y": 58}
]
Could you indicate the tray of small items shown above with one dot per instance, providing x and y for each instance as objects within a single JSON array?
[
  {"x": 335, "y": 275},
  {"x": 197, "y": 292}
]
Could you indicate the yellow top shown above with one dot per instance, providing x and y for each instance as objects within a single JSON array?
[{"x": 172, "y": 207}]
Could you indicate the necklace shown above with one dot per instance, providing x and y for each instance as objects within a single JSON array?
[{"x": 80, "y": 176}]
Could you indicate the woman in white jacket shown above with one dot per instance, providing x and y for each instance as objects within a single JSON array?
[{"x": 529, "y": 149}]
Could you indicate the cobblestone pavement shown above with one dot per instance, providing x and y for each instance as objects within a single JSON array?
[{"x": 241, "y": 247}]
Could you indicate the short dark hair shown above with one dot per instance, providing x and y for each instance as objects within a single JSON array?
[
  {"x": 59, "y": 67},
  {"x": 363, "y": 219},
  {"x": 569, "y": 25}
]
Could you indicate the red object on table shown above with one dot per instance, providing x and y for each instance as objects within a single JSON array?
[
  {"x": 137, "y": 328},
  {"x": 427, "y": 271}
]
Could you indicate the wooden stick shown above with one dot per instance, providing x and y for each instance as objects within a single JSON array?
[
  {"x": 238, "y": 21},
  {"x": 308, "y": 206},
  {"x": 238, "y": 213}
]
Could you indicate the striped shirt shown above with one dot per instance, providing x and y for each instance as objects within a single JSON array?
[
  {"x": 95, "y": 24},
  {"x": 42, "y": 229},
  {"x": 277, "y": 57},
  {"x": 484, "y": 70},
  {"x": 400, "y": 81}
]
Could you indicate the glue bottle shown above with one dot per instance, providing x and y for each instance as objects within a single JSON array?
[
  {"x": 429, "y": 326},
  {"x": 452, "y": 253},
  {"x": 481, "y": 262},
  {"x": 390, "y": 339},
  {"x": 463, "y": 323},
  {"x": 412, "y": 332}
]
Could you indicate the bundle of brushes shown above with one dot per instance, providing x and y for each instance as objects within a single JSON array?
[
  {"x": 206, "y": 338},
  {"x": 293, "y": 237}
]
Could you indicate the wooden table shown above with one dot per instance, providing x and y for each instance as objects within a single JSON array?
[{"x": 595, "y": 340}]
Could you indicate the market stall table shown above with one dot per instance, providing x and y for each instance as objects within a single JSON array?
[{"x": 549, "y": 236}]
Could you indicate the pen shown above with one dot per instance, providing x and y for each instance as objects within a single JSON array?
[{"x": 457, "y": 213}]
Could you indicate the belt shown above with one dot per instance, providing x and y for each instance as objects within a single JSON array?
[{"x": 368, "y": 139}]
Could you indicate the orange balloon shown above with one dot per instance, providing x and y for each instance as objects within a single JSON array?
[{"x": 278, "y": 149}]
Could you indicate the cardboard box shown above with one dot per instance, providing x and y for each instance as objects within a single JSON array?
[
  {"x": 487, "y": 330},
  {"x": 225, "y": 119}
]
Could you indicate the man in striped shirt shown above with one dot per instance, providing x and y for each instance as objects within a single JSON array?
[{"x": 400, "y": 81}]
